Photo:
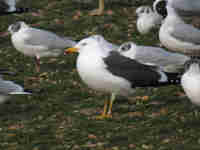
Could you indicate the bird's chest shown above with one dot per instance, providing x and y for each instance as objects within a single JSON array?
[
  {"x": 191, "y": 85},
  {"x": 91, "y": 70},
  {"x": 18, "y": 40}
]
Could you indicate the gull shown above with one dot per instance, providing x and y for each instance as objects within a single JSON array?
[
  {"x": 111, "y": 72},
  {"x": 8, "y": 88},
  {"x": 190, "y": 80},
  {"x": 37, "y": 43},
  {"x": 178, "y": 36},
  {"x": 106, "y": 45},
  {"x": 148, "y": 19},
  {"x": 153, "y": 56},
  {"x": 9, "y": 7},
  {"x": 184, "y": 8}
]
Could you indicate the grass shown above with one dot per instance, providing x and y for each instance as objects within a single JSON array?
[{"x": 60, "y": 115}]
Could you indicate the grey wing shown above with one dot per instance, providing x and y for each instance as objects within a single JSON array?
[
  {"x": 159, "y": 56},
  {"x": 136, "y": 73},
  {"x": 7, "y": 87},
  {"x": 110, "y": 46},
  {"x": 46, "y": 39},
  {"x": 187, "y": 33}
]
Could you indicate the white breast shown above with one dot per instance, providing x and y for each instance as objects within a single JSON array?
[{"x": 92, "y": 71}]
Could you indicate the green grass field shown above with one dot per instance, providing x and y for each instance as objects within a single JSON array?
[{"x": 60, "y": 114}]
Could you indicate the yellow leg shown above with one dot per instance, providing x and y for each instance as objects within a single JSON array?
[
  {"x": 103, "y": 115},
  {"x": 109, "y": 114},
  {"x": 100, "y": 10}
]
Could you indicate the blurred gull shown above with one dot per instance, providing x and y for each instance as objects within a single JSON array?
[
  {"x": 182, "y": 7},
  {"x": 178, "y": 36},
  {"x": 36, "y": 42},
  {"x": 190, "y": 80},
  {"x": 116, "y": 74},
  {"x": 106, "y": 45},
  {"x": 8, "y": 88},
  {"x": 9, "y": 7},
  {"x": 148, "y": 19},
  {"x": 168, "y": 61}
]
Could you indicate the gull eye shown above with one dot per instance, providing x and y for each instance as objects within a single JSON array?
[
  {"x": 16, "y": 27},
  {"x": 126, "y": 47},
  {"x": 84, "y": 44}
]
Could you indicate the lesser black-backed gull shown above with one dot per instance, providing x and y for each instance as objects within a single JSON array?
[{"x": 110, "y": 72}]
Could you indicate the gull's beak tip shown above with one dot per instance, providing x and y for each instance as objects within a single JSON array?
[{"x": 70, "y": 50}]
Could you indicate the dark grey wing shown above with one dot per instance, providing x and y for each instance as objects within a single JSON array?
[
  {"x": 187, "y": 33},
  {"x": 3, "y": 6},
  {"x": 138, "y": 74},
  {"x": 47, "y": 39}
]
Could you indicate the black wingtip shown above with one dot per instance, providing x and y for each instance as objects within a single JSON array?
[
  {"x": 22, "y": 10},
  {"x": 161, "y": 8},
  {"x": 28, "y": 91}
]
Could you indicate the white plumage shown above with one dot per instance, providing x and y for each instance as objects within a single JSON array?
[
  {"x": 178, "y": 36},
  {"x": 183, "y": 7},
  {"x": 148, "y": 19},
  {"x": 190, "y": 82},
  {"x": 8, "y": 88},
  {"x": 168, "y": 61},
  {"x": 36, "y": 42},
  {"x": 109, "y": 71}
]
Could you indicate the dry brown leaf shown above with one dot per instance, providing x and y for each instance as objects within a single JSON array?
[
  {"x": 77, "y": 15},
  {"x": 109, "y": 12},
  {"x": 136, "y": 114},
  {"x": 59, "y": 21},
  {"x": 15, "y": 127},
  {"x": 4, "y": 34},
  {"x": 92, "y": 136}
]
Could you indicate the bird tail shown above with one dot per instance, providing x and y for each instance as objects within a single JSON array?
[
  {"x": 172, "y": 79},
  {"x": 22, "y": 10}
]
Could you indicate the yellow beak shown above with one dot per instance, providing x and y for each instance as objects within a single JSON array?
[{"x": 71, "y": 50}]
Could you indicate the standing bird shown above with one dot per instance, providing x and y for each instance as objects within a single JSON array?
[
  {"x": 9, "y": 7},
  {"x": 178, "y": 36},
  {"x": 168, "y": 61},
  {"x": 36, "y": 42},
  {"x": 185, "y": 8},
  {"x": 190, "y": 80},
  {"x": 148, "y": 19},
  {"x": 8, "y": 88},
  {"x": 113, "y": 73}
]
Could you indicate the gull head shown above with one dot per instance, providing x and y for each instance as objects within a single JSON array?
[
  {"x": 192, "y": 65},
  {"x": 160, "y": 6},
  {"x": 126, "y": 48},
  {"x": 13, "y": 28},
  {"x": 143, "y": 10},
  {"x": 87, "y": 44}
]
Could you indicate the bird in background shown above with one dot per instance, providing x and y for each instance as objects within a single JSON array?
[
  {"x": 8, "y": 88},
  {"x": 156, "y": 56},
  {"x": 9, "y": 7},
  {"x": 178, "y": 36},
  {"x": 114, "y": 73},
  {"x": 37, "y": 43},
  {"x": 147, "y": 19},
  {"x": 190, "y": 80},
  {"x": 185, "y": 8}
]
